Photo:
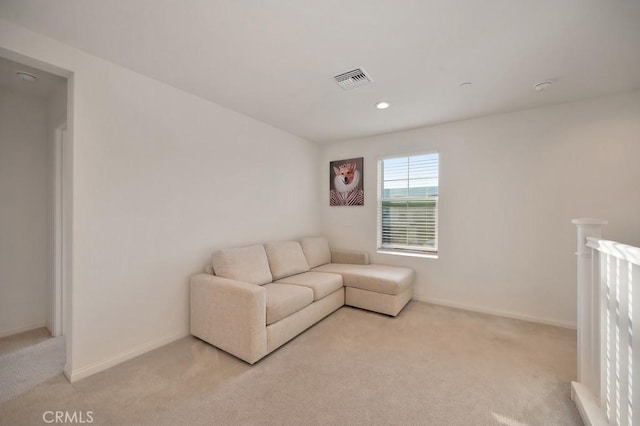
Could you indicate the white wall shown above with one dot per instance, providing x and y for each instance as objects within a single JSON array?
[
  {"x": 24, "y": 225},
  {"x": 161, "y": 179},
  {"x": 510, "y": 184}
]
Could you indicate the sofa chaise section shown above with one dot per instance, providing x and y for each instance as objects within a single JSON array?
[{"x": 379, "y": 288}]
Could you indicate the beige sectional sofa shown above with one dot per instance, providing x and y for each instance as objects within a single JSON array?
[{"x": 251, "y": 300}]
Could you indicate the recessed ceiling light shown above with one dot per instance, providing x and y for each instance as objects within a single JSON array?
[
  {"x": 465, "y": 84},
  {"x": 383, "y": 105},
  {"x": 25, "y": 76},
  {"x": 543, "y": 85}
]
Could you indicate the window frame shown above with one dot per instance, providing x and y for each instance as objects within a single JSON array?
[{"x": 398, "y": 249}]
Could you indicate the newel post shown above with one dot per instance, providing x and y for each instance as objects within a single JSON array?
[{"x": 588, "y": 306}]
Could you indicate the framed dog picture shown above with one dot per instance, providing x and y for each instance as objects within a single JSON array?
[{"x": 346, "y": 182}]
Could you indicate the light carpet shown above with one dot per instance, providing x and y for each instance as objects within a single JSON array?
[
  {"x": 24, "y": 368},
  {"x": 22, "y": 340},
  {"x": 429, "y": 366}
]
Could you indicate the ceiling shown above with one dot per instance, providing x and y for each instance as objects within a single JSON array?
[
  {"x": 41, "y": 88},
  {"x": 274, "y": 59}
]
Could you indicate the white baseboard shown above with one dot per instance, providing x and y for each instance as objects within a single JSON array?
[
  {"x": 590, "y": 411},
  {"x": 496, "y": 312},
  {"x": 23, "y": 329},
  {"x": 92, "y": 369}
]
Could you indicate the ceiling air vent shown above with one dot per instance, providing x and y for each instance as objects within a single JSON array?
[{"x": 352, "y": 79}]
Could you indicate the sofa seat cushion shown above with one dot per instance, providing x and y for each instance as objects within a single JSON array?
[
  {"x": 285, "y": 299},
  {"x": 248, "y": 264},
  {"x": 285, "y": 258},
  {"x": 321, "y": 283},
  {"x": 316, "y": 250},
  {"x": 379, "y": 278}
]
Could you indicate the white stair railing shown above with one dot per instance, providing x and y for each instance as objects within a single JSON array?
[{"x": 608, "y": 388}]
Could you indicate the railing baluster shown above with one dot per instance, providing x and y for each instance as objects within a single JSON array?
[
  {"x": 605, "y": 290},
  {"x": 612, "y": 395},
  {"x": 613, "y": 340},
  {"x": 596, "y": 320},
  {"x": 622, "y": 312},
  {"x": 634, "y": 342}
]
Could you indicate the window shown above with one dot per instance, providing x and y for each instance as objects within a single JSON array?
[{"x": 408, "y": 204}]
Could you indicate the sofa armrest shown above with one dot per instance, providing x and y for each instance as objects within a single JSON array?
[
  {"x": 230, "y": 315},
  {"x": 348, "y": 256}
]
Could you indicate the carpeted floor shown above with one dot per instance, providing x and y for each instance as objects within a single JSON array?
[
  {"x": 22, "y": 340},
  {"x": 429, "y": 366},
  {"x": 28, "y": 359}
]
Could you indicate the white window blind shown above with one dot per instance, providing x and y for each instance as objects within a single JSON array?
[{"x": 408, "y": 203}]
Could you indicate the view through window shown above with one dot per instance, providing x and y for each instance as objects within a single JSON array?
[{"x": 408, "y": 203}]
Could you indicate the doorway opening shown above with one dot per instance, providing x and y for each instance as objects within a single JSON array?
[{"x": 35, "y": 186}]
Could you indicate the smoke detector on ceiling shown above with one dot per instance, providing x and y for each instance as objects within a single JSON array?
[
  {"x": 352, "y": 79},
  {"x": 26, "y": 76},
  {"x": 542, "y": 86}
]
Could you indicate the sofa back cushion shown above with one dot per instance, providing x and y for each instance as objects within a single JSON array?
[
  {"x": 285, "y": 258},
  {"x": 248, "y": 264},
  {"x": 316, "y": 250}
]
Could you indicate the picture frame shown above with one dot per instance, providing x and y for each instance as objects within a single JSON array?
[{"x": 346, "y": 182}]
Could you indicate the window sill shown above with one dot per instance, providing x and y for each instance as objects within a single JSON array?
[{"x": 410, "y": 254}]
